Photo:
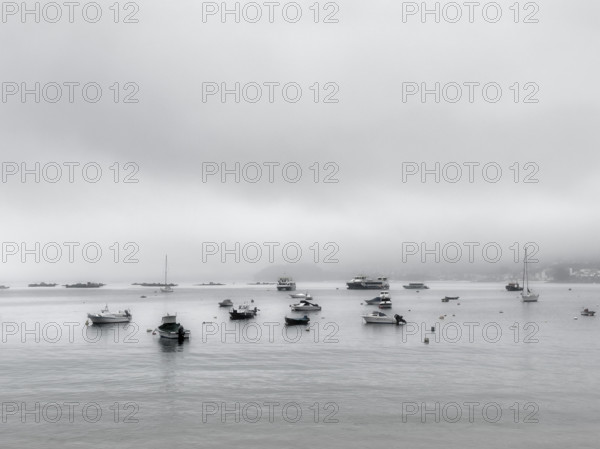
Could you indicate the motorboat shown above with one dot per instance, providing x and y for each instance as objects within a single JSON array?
[
  {"x": 296, "y": 321},
  {"x": 106, "y": 316},
  {"x": 415, "y": 286},
  {"x": 383, "y": 295},
  {"x": 286, "y": 284},
  {"x": 381, "y": 318},
  {"x": 362, "y": 282},
  {"x": 300, "y": 296},
  {"x": 588, "y": 312},
  {"x": 243, "y": 312},
  {"x": 226, "y": 303},
  {"x": 171, "y": 329},
  {"x": 451, "y": 298},
  {"x": 305, "y": 306},
  {"x": 385, "y": 304}
]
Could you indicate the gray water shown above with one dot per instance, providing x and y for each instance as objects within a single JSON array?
[{"x": 528, "y": 380}]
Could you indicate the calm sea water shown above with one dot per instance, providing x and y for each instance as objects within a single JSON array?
[{"x": 526, "y": 377}]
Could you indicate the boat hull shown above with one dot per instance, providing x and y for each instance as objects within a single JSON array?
[
  {"x": 286, "y": 288},
  {"x": 96, "y": 319},
  {"x": 296, "y": 321},
  {"x": 173, "y": 335},
  {"x": 530, "y": 298}
]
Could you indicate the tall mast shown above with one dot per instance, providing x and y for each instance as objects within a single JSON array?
[
  {"x": 165, "y": 270},
  {"x": 524, "y": 268}
]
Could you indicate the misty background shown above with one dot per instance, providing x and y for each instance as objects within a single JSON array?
[{"x": 368, "y": 134}]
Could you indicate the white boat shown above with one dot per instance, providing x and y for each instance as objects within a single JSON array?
[
  {"x": 305, "y": 306},
  {"x": 301, "y": 296},
  {"x": 106, "y": 316},
  {"x": 527, "y": 295},
  {"x": 382, "y": 318},
  {"x": 385, "y": 304},
  {"x": 382, "y": 296},
  {"x": 286, "y": 284},
  {"x": 167, "y": 288},
  {"x": 362, "y": 282},
  {"x": 170, "y": 328},
  {"x": 226, "y": 303}
]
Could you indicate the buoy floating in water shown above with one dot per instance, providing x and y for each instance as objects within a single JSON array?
[{"x": 426, "y": 341}]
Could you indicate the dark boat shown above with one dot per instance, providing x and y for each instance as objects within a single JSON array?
[
  {"x": 86, "y": 285},
  {"x": 243, "y": 312},
  {"x": 170, "y": 328},
  {"x": 42, "y": 284},
  {"x": 451, "y": 297},
  {"x": 3, "y": 287},
  {"x": 415, "y": 286},
  {"x": 513, "y": 287},
  {"x": 296, "y": 321},
  {"x": 588, "y": 312}
]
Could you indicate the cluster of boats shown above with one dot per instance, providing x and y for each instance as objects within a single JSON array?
[
  {"x": 383, "y": 301},
  {"x": 169, "y": 327}
]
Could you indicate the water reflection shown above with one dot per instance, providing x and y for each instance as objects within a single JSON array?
[{"x": 171, "y": 344}]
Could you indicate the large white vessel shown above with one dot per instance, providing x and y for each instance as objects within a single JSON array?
[
  {"x": 362, "y": 282},
  {"x": 106, "y": 316},
  {"x": 286, "y": 284}
]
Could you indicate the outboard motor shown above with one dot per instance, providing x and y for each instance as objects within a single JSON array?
[
  {"x": 180, "y": 334},
  {"x": 399, "y": 319}
]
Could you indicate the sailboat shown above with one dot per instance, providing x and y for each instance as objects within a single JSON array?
[
  {"x": 527, "y": 295},
  {"x": 167, "y": 288}
]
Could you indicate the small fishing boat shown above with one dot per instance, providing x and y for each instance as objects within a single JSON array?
[
  {"x": 170, "y": 328},
  {"x": 382, "y": 318},
  {"x": 513, "y": 287},
  {"x": 305, "y": 306},
  {"x": 451, "y": 298},
  {"x": 243, "y": 312},
  {"x": 107, "y": 317},
  {"x": 226, "y": 303},
  {"x": 296, "y": 321},
  {"x": 588, "y": 312},
  {"x": 415, "y": 286},
  {"x": 445, "y": 300}
]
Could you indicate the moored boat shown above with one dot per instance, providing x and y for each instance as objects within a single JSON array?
[
  {"x": 527, "y": 295},
  {"x": 286, "y": 284},
  {"x": 107, "y": 317},
  {"x": 383, "y": 295},
  {"x": 415, "y": 286},
  {"x": 166, "y": 288},
  {"x": 513, "y": 287},
  {"x": 305, "y": 306},
  {"x": 362, "y": 282},
  {"x": 385, "y": 304},
  {"x": 588, "y": 312},
  {"x": 300, "y": 296},
  {"x": 171, "y": 329},
  {"x": 243, "y": 312},
  {"x": 382, "y": 318},
  {"x": 226, "y": 303},
  {"x": 296, "y": 321}
]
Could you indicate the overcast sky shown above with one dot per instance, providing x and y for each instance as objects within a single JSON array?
[{"x": 366, "y": 136}]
